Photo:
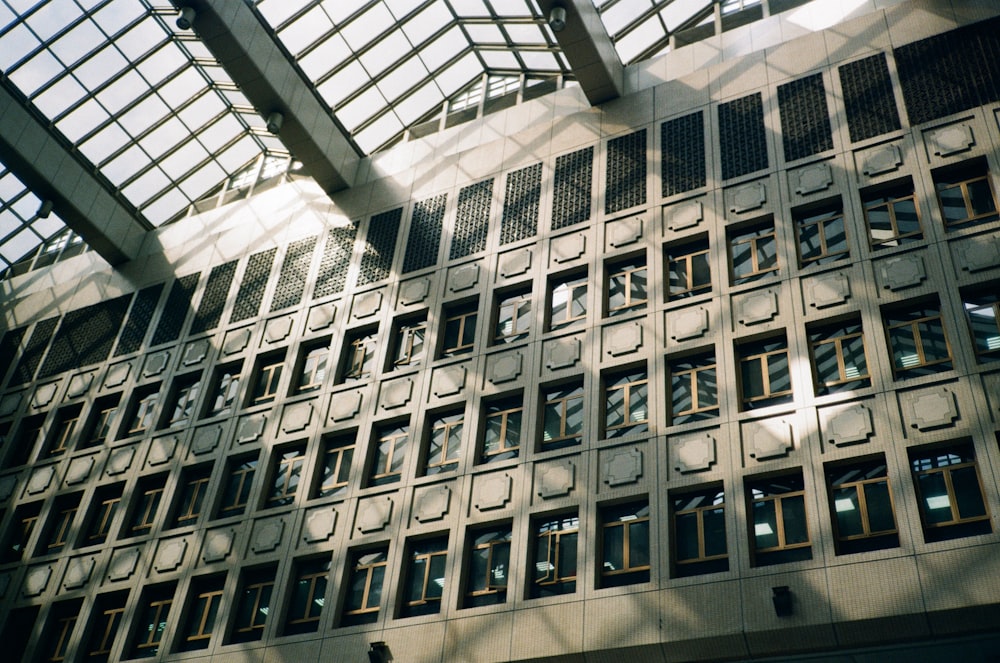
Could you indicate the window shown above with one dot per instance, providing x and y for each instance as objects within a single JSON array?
[
  {"x": 311, "y": 372},
  {"x": 65, "y": 425},
  {"x": 225, "y": 389},
  {"x": 764, "y": 376},
  {"x": 568, "y": 302},
  {"x": 502, "y": 429},
  {"x": 459, "y": 330},
  {"x": 408, "y": 344},
  {"x": 101, "y": 419},
  {"x": 104, "y": 508},
  {"x": 140, "y": 416},
  {"x": 389, "y": 456},
  {"x": 238, "y": 482},
  {"x": 563, "y": 416},
  {"x": 949, "y": 492},
  {"x": 54, "y": 645},
  {"x": 60, "y": 523},
  {"x": 191, "y": 496},
  {"x": 424, "y": 583},
  {"x": 965, "y": 194},
  {"x": 359, "y": 356},
  {"x": 778, "y": 520},
  {"x": 627, "y": 404},
  {"x": 514, "y": 316},
  {"x": 627, "y": 286},
  {"x": 149, "y": 493},
  {"x": 444, "y": 444},
  {"x": 820, "y": 232},
  {"x": 624, "y": 544},
  {"x": 694, "y": 391},
  {"x": 487, "y": 566},
  {"x": 266, "y": 378},
  {"x": 19, "y": 532},
  {"x": 106, "y": 619},
  {"x": 285, "y": 477},
  {"x": 364, "y": 594},
  {"x": 151, "y": 622},
  {"x": 863, "y": 516},
  {"x": 838, "y": 357},
  {"x": 308, "y": 592},
  {"x": 917, "y": 340},
  {"x": 688, "y": 270},
  {"x": 335, "y": 468},
  {"x": 202, "y": 612},
  {"x": 182, "y": 402},
  {"x": 555, "y": 556},
  {"x": 982, "y": 311},
  {"x": 699, "y": 535},
  {"x": 892, "y": 215},
  {"x": 29, "y": 434},
  {"x": 253, "y": 603},
  {"x": 753, "y": 253}
]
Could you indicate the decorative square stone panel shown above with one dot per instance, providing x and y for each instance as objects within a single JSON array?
[
  {"x": 747, "y": 198},
  {"x": 297, "y": 417},
  {"x": 902, "y": 272},
  {"x": 277, "y": 330},
  {"x": 36, "y": 580},
  {"x": 156, "y": 363},
  {"x": 322, "y": 316},
  {"x": 770, "y": 438},
  {"x": 117, "y": 375},
  {"x": 195, "y": 352},
  {"x": 693, "y": 453},
  {"x": 79, "y": 470},
  {"x": 757, "y": 307},
  {"x": 250, "y": 428},
  {"x": 504, "y": 368},
  {"x": 562, "y": 353},
  {"x": 374, "y": 514},
  {"x": 319, "y": 524},
  {"x": 976, "y": 254},
  {"x": 367, "y": 304},
  {"x": 123, "y": 564},
  {"x": 414, "y": 291},
  {"x": 624, "y": 232},
  {"x": 463, "y": 277},
  {"x": 556, "y": 479},
  {"x": 218, "y": 545},
  {"x": 44, "y": 395},
  {"x": 396, "y": 394},
  {"x": 161, "y": 450},
  {"x": 567, "y": 247},
  {"x": 827, "y": 290},
  {"x": 927, "y": 410},
  {"x": 431, "y": 503},
  {"x": 812, "y": 179},
  {"x": 621, "y": 466},
  {"x": 40, "y": 480},
  {"x": 515, "y": 263},
  {"x": 79, "y": 570},
  {"x": 492, "y": 491},
  {"x": 846, "y": 424},
  {"x": 170, "y": 555},
  {"x": 236, "y": 341},
  {"x": 622, "y": 339},
  {"x": 345, "y": 406},
  {"x": 882, "y": 159},
  {"x": 449, "y": 380},
  {"x": 267, "y": 535},
  {"x": 950, "y": 140},
  {"x": 684, "y": 215},
  {"x": 206, "y": 439},
  {"x": 80, "y": 384},
  {"x": 119, "y": 461}
]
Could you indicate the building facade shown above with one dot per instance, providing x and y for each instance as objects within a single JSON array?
[{"x": 709, "y": 372}]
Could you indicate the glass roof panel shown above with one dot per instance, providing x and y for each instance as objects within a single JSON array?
[{"x": 428, "y": 22}]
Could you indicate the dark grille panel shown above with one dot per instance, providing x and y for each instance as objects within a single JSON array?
[
  {"x": 33, "y": 352},
  {"x": 85, "y": 336},
  {"x": 376, "y": 261},
  {"x": 805, "y": 120},
  {"x": 682, "y": 146},
  {"x": 9, "y": 346},
  {"x": 742, "y": 139},
  {"x": 571, "y": 191},
  {"x": 424, "y": 240},
  {"x": 214, "y": 299},
  {"x": 520, "y": 204},
  {"x": 335, "y": 262},
  {"x": 176, "y": 309},
  {"x": 294, "y": 272},
  {"x": 135, "y": 329},
  {"x": 950, "y": 72},
  {"x": 472, "y": 219},
  {"x": 251, "y": 290},
  {"x": 626, "y": 185},
  {"x": 868, "y": 98}
]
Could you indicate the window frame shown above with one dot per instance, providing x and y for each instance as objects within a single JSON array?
[
  {"x": 225, "y": 387},
  {"x": 341, "y": 447},
  {"x": 181, "y": 407},
  {"x": 145, "y": 506},
  {"x": 889, "y": 196},
  {"x": 155, "y": 608},
  {"x": 498, "y": 408},
  {"x": 465, "y": 316},
  {"x": 409, "y": 333},
  {"x": 962, "y": 176},
  {"x": 285, "y": 476},
  {"x": 687, "y": 369},
  {"x": 370, "y": 567},
  {"x": 105, "y": 506},
  {"x": 259, "y": 583},
  {"x": 557, "y": 399},
  {"x": 100, "y": 421},
  {"x": 823, "y": 334},
  {"x": 312, "y": 366},
  {"x": 683, "y": 254},
  {"x": 60, "y": 439},
  {"x": 140, "y": 417},
  {"x": 986, "y": 301},
  {"x": 634, "y": 383},
  {"x": 784, "y": 551},
  {"x": 521, "y": 316},
  {"x": 305, "y": 618},
  {"x": 822, "y": 216},
  {"x": 958, "y": 526},
  {"x": 626, "y": 516},
  {"x": 242, "y": 470},
  {"x": 702, "y": 563},
  {"x": 395, "y": 439},
  {"x": 425, "y": 552},
  {"x": 266, "y": 382},
  {"x": 105, "y": 623},
  {"x": 450, "y": 455},
  {"x": 211, "y": 590},
  {"x": 868, "y": 471},
  {"x": 359, "y": 356},
  {"x": 901, "y": 317},
  {"x": 190, "y": 496},
  {"x": 620, "y": 275},
  {"x": 571, "y": 284},
  {"x": 554, "y": 581},
  {"x": 759, "y": 353},
  {"x": 496, "y": 560},
  {"x": 753, "y": 234}
]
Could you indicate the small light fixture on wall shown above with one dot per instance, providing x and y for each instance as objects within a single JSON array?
[
  {"x": 782, "y": 598},
  {"x": 379, "y": 653},
  {"x": 274, "y": 122},
  {"x": 557, "y": 19},
  {"x": 44, "y": 209},
  {"x": 186, "y": 18}
]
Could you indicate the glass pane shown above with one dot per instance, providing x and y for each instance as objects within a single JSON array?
[
  {"x": 680, "y": 389},
  {"x": 544, "y": 567},
  {"x": 638, "y": 544},
  {"x": 707, "y": 388},
  {"x": 904, "y": 347},
  {"x": 809, "y": 242},
  {"x": 416, "y": 585},
  {"x": 637, "y": 404},
  {"x": 742, "y": 264},
  {"x": 765, "y": 525},
  {"x": 614, "y": 548},
  {"x": 616, "y": 292},
  {"x": 855, "y": 365},
  {"x": 906, "y": 216},
  {"x": 574, "y": 416},
  {"x": 479, "y": 571},
  {"x": 880, "y": 516},
  {"x": 714, "y": 522},
  {"x": 967, "y": 493},
  {"x": 553, "y": 421},
  {"x": 375, "y": 591},
  {"x": 836, "y": 239},
  {"x": 616, "y": 407},
  {"x": 825, "y": 356},
  {"x": 435, "y": 583},
  {"x": 793, "y": 511},
  {"x": 981, "y": 198},
  {"x": 686, "y": 536},
  {"x": 567, "y": 555},
  {"x": 501, "y": 562},
  {"x": 848, "y": 510},
  {"x": 933, "y": 341},
  {"x": 934, "y": 493},
  {"x": 880, "y": 224},
  {"x": 777, "y": 365},
  {"x": 767, "y": 254},
  {"x": 638, "y": 285},
  {"x": 985, "y": 331},
  {"x": 701, "y": 274},
  {"x": 952, "y": 204}
]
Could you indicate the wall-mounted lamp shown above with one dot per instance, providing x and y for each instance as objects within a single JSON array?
[
  {"x": 44, "y": 209},
  {"x": 557, "y": 19},
  {"x": 186, "y": 18},
  {"x": 782, "y": 598},
  {"x": 274, "y": 122},
  {"x": 379, "y": 653}
]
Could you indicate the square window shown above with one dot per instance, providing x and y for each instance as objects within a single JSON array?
[
  {"x": 389, "y": 455},
  {"x": 555, "y": 555},
  {"x": 694, "y": 390},
  {"x": 266, "y": 378},
  {"x": 861, "y": 500},
  {"x": 253, "y": 604},
  {"x": 286, "y": 473},
  {"x": 487, "y": 566},
  {"x": 61, "y": 437},
  {"x": 146, "y": 505},
  {"x": 982, "y": 312},
  {"x": 764, "y": 376},
  {"x": 201, "y": 612},
  {"x": 444, "y": 443},
  {"x": 423, "y": 586},
  {"x": 104, "y": 506},
  {"x": 625, "y": 540},
  {"x": 917, "y": 340},
  {"x": 459, "y": 335},
  {"x": 139, "y": 417},
  {"x": 307, "y": 596},
  {"x": 365, "y": 576},
  {"x": 99, "y": 421},
  {"x": 54, "y": 643},
  {"x": 688, "y": 269},
  {"x": 699, "y": 532},
  {"x": 19, "y": 531},
  {"x": 151, "y": 621},
  {"x": 777, "y": 513},
  {"x": 236, "y": 486},
  {"x": 627, "y": 286},
  {"x": 626, "y": 406},
  {"x": 513, "y": 317},
  {"x": 892, "y": 215},
  {"x": 949, "y": 492},
  {"x": 568, "y": 302},
  {"x": 105, "y": 622},
  {"x": 838, "y": 357},
  {"x": 191, "y": 496},
  {"x": 310, "y": 374},
  {"x": 180, "y": 407},
  {"x": 408, "y": 343},
  {"x": 359, "y": 356},
  {"x": 334, "y": 470},
  {"x": 502, "y": 429},
  {"x": 821, "y": 234},
  {"x": 60, "y": 524},
  {"x": 563, "y": 416},
  {"x": 965, "y": 194},
  {"x": 225, "y": 390},
  {"x": 753, "y": 253}
]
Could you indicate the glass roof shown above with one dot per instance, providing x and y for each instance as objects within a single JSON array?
[{"x": 150, "y": 108}]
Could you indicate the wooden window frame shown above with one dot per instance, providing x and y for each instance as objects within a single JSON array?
[
  {"x": 311, "y": 373},
  {"x": 360, "y": 357},
  {"x": 754, "y": 236},
  {"x": 267, "y": 379},
  {"x": 890, "y": 197},
  {"x": 966, "y": 459},
  {"x": 499, "y": 410},
  {"x": 491, "y": 592},
  {"x": 441, "y": 428},
  {"x": 823, "y": 217},
  {"x": 365, "y": 566},
  {"x": 688, "y": 369},
  {"x": 762, "y": 358},
  {"x": 516, "y": 309},
  {"x": 982, "y": 301},
  {"x": 259, "y": 584},
  {"x": 962, "y": 176},
  {"x": 409, "y": 335},
  {"x": 395, "y": 441},
  {"x": 766, "y": 556},
  {"x": 632, "y": 384},
  {"x": 838, "y": 335},
  {"x": 288, "y": 463},
  {"x": 557, "y": 400},
  {"x": 571, "y": 286},
  {"x": 341, "y": 449},
  {"x": 623, "y": 273},
  {"x": 710, "y": 500},
  {"x": 242, "y": 471},
  {"x": 680, "y": 259},
  {"x": 225, "y": 391},
  {"x": 465, "y": 318},
  {"x": 630, "y": 572},
  {"x": 551, "y": 534},
  {"x": 899, "y": 319},
  {"x": 872, "y": 472},
  {"x": 425, "y": 553},
  {"x": 305, "y": 618}
]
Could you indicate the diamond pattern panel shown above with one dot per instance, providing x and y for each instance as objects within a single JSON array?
[
  {"x": 251, "y": 290},
  {"x": 85, "y": 336},
  {"x": 805, "y": 119},
  {"x": 424, "y": 239},
  {"x": 571, "y": 190},
  {"x": 214, "y": 300},
  {"x": 33, "y": 352},
  {"x": 376, "y": 261},
  {"x": 176, "y": 309},
  {"x": 294, "y": 272},
  {"x": 868, "y": 98},
  {"x": 626, "y": 185},
  {"x": 742, "y": 138},
  {"x": 137, "y": 325},
  {"x": 520, "y": 206},
  {"x": 472, "y": 219},
  {"x": 682, "y": 149}
]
